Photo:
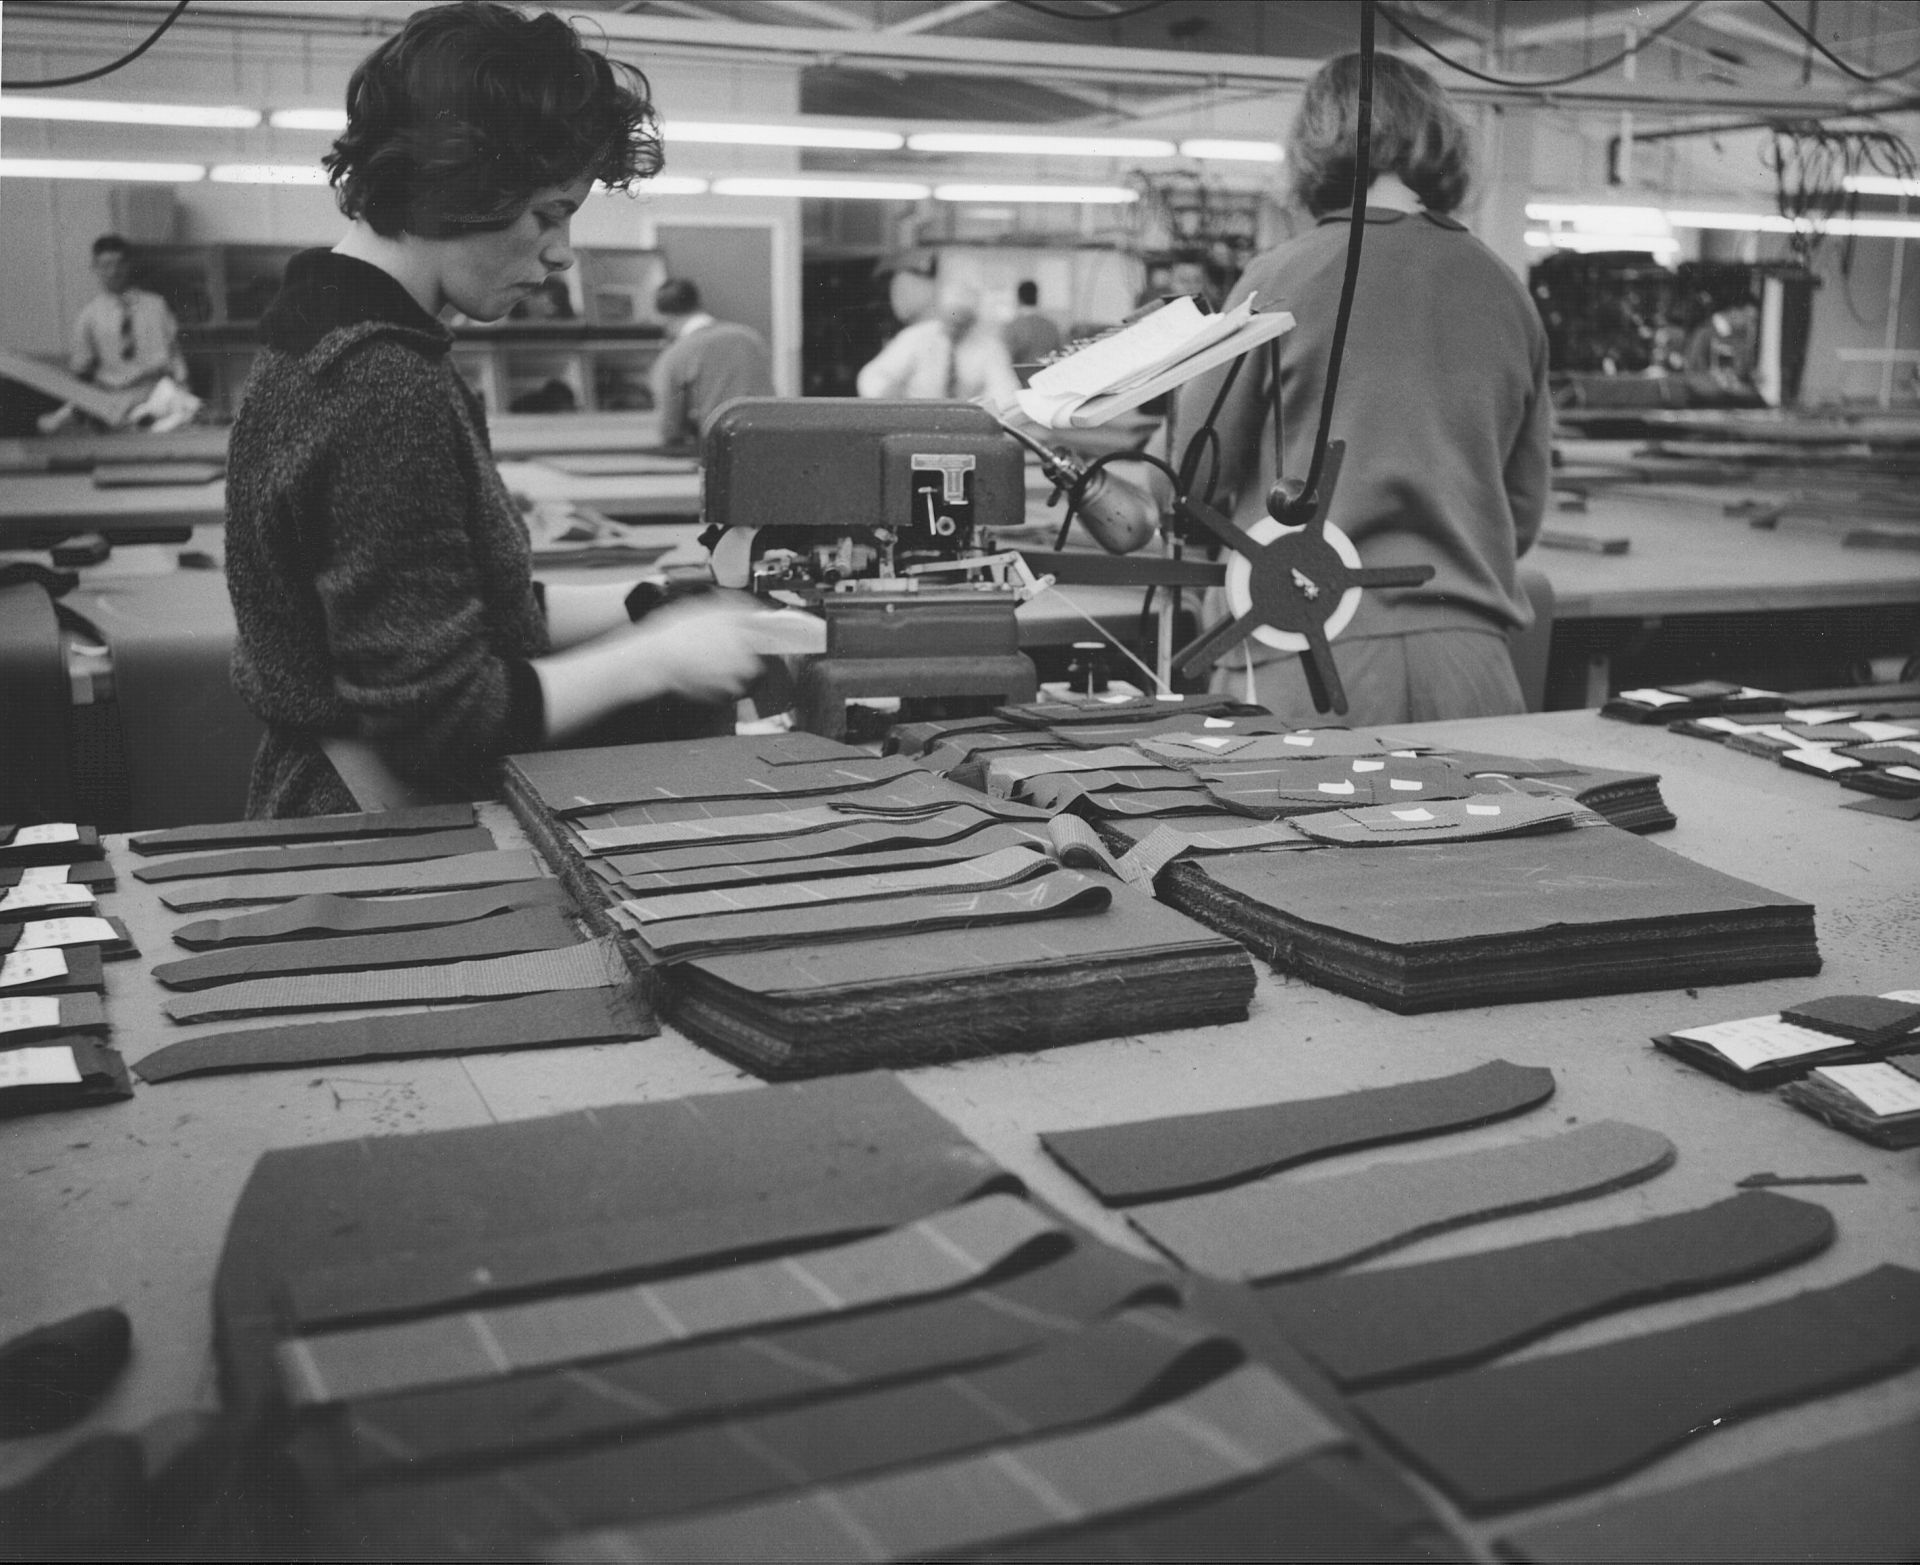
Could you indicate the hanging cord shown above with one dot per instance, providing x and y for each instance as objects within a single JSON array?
[
  {"x": 1599, "y": 69},
  {"x": 1844, "y": 66},
  {"x": 106, "y": 70}
]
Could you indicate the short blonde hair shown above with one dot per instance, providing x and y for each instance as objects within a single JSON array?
[{"x": 1415, "y": 133}]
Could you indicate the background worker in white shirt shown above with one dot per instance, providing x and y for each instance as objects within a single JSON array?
[{"x": 945, "y": 356}]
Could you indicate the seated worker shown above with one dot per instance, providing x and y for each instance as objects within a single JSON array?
[
  {"x": 1030, "y": 336},
  {"x": 708, "y": 362},
  {"x": 388, "y": 619},
  {"x": 1442, "y": 403},
  {"x": 946, "y": 355},
  {"x": 124, "y": 338}
]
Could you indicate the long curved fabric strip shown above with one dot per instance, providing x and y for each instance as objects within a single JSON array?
[
  {"x": 1502, "y": 1437},
  {"x": 1247, "y": 1422},
  {"x": 1367, "y": 1328},
  {"x": 914, "y": 795},
  {"x": 851, "y": 837},
  {"x": 1151, "y": 1159},
  {"x": 25, "y": 1018},
  {"x": 704, "y": 1381},
  {"x": 1852, "y": 1500},
  {"x": 1281, "y": 1227},
  {"x": 74, "y": 970},
  {"x": 535, "y": 929},
  {"x": 1103, "y": 1372},
  {"x": 320, "y": 855},
  {"x": 1062, "y": 894},
  {"x": 468, "y": 869},
  {"x": 932, "y": 1255},
  {"x": 540, "y": 1021},
  {"x": 326, "y": 914},
  {"x": 989, "y": 839},
  {"x": 988, "y": 872},
  {"x": 591, "y": 964},
  {"x": 236, "y": 834}
]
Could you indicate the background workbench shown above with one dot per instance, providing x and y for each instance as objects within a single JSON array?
[{"x": 129, "y": 1203}]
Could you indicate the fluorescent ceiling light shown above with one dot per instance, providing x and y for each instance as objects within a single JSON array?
[
  {"x": 783, "y": 136},
  {"x": 822, "y": 189},
  {"x": 92, "y": 168},
  {"x": 1079, "y": 195},
  {"x": 659, "y": 185},
  {"x": 334, "y": 120},
  {"x": 1233, "y": 151},
  {"x": 1880, "y": 185},
  {"x": 1040, "y": 146},
  {"x": 1599, "y": 219},
  {"x": 267, "y": 174},
  {"x": 101, "y": 112}
]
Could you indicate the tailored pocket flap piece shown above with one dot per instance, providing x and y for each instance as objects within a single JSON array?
[{"x": 1445, "y": 820}]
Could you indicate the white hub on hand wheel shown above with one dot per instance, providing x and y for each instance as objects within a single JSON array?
[{"x": 1240, "y": 589}]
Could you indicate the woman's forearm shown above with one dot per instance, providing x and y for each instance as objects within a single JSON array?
[{"x": 576, "y": 613}]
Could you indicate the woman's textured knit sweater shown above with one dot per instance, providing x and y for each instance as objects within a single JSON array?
[{"x": 380, "y": 574}]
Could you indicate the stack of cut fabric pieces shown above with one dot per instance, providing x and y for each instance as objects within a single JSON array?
[
  {"x": 797, "y": 1322},
  {"x": 1421, "y": 1350},
  {"x": 802, "y": 906},
  {"x": 54, "y": 1048},
  {"x": 367, "y": 913}
]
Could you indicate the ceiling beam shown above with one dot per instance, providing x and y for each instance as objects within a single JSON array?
[
  {"x": 940, "y": 15},
  {"x": 823, "y": 11}
]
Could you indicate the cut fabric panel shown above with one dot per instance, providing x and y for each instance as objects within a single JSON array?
[
  {"x": 26, "y": 1018},
  {"x": 990, "y": 839},
  {"x": 1281, "y": 1227},
  {"x": 327, "y": 855},
  {"x": 326, "y": 914},
  {"x": 237, "y": 834},
  {"x": 52, "y": 970},
  {"x": 107, "y": 936},
  {"x": 67, "y": 1072},
  {"x": 1151, "y": 1159},
  {"x": 467, "y": 869},
  {"x": 1444, "y": 820},
  {"x": 61, "y": 842}
]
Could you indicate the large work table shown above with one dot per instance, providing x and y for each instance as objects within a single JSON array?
[{"x": 128, "y": 1204}]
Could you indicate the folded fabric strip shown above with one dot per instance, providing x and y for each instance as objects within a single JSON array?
[
  {"x": 320, "y": 855},
  {"x": 1850, "y": 1500},
  {"x": 589, "y": 965},
  {"x": 234, "y": 834},
  {"x": 468, "y": 869},
  {"x": 704, "y": 1381},
  {"x": 1104, "y": 1371},
  {"x": 911, "y": 795},
  {"x": 328, "y": 914},
  {"x": 839, "y": 836},
  {"x": 1245, "y": 1423},
  {"x": 1365, "y": 1328},
  {"x": 989, "y": 839},
  {"x": 534, "y": 929},
  {"x": 932, "y": 1255},
  {"x": 539, "y": 1021},
  {"x": 1151, "y": 1159},
  {"x": 1502, "y": 1437},
  {"x": 1281, "y": 1227}
]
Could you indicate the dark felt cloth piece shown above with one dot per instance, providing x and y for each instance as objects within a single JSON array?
[
  {"x": 323, "y": 855},
  {"x": 1889, "y": 782},
  {"x": 73, "y": 931},
  {"x": 84, "y": 973},
  {"x": 15, "y": 854},
  {"x": 450, "y": 874},
  {"x": 75, "y": 1013},
  {"x": 1366, "y": 1328},
  {"x": 1246, "y": 1423},
  {"x": 1865, "y": 1018},
  {"x": 540, "y": 1021},
  {"x": 235, "y": 834},
  {"x": 532, "y": 929},
  {"x": 1290, "y": 787},
  {"x": 1845, "y": 1108},
  {"x": 853, "y": 838},
  {"x": 1893, "y": 809},
  {"x": 326, "y": 914},
  {"x": 704, "y": 1381},
  {"x": 1151, "y": 1159},
  {"x": 1102, "y": 1372},
  {"x": 51, "y": 1377},
  {"x": 103, "y": 1079},
  {"x": 97, "y": 873},
  {"x": 565, "y": 780},
  {"x": 1851, "y": 1500},
  {"x": 990, "y": 839},
  {"x": 949, "y": 1250},
  {"x": 88, "y": 1503},
  {"x": 1474, "y": 818},
  {"x": 1282, "y": 1227},
  {"x": 1502, "y": 1437},
  {"x": 453, "y": 1217},
  {"x": 589, "y": 964},
  {"x": 910, "y": 795},
  {"x": 1146, "y": 709}
]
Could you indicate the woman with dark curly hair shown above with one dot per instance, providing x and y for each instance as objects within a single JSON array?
[
  {"x": 391, "y": 635},
  {"x": 1442, "y": 404}
]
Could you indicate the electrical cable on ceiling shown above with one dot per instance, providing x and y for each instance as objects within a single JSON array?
[
  {"x": 1602, "y": 67},
  {"x": 128, "y": 58},
  {"x": 1845, "y": 66},
  {"x": 1089, "y": 16}
]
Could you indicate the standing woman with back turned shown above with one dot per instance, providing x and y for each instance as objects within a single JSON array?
[
  {"x": 1442, "y": 404},
  {"x": 389, "y": 625}
]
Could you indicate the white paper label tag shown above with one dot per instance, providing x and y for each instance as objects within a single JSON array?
[
  {"x": 44, "y": 836},
  {"x": 1216, "y": 722},
  {"x": 1305, "y": 741},
  {"x": 1722, "y": 725},
  {"x": 1344, "y": 788},
  {"x": 1881, "y": 733},
  {"x": 1483, "y": 809},
  {"x": 1404, "y": 785},
  {"x": 31, "y": 967},
  {"x": 21, "y": 1013},
  {"x": 1904, "y": 996},
  {"x": 1212, "y": 743},
  {"x": 1820, "y": 714},
  {"x": 1652, "y": 698},
  {"x": 1369, "y": 766},
  {"x": 1880, "y": 1088},
  {"x": 1748, "y": 692},
  {"x": 65, "y": 932},
  {"x": 49, "y": 1067},
  {"x": 1413, "y": 815},
  {"x": 1822, "y": 759},
  {"x": 43, "y": 875},
  {"x": 18, "y": 898},
  {"x": 1760, "y": 1040}
]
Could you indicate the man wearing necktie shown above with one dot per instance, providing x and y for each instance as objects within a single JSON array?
[
  {"x": 125, "y": 338},
  {"x": 944, "y": 355}
]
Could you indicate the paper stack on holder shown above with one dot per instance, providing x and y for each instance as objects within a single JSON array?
[{"x": 1155, "y": 354}]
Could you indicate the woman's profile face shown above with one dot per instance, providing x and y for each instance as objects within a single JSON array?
[{"x": 485, "y": 275}]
